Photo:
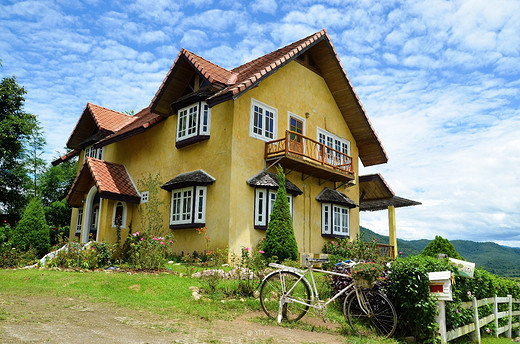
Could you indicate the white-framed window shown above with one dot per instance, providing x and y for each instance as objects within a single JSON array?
[
  {"x": 188, "y": 205},
  {"x": 334, "y": 219},
  {"x": 119, "y": 215},
  {"x": 264, "y": 203},
  {"x": 335, "y": 142},
  {"x": 145, "y": 195},
  {"x": 193, "y": 120},
  {"x": 263, "y": 121},
  {"x": 79, "y": 221},
  {"x": 92, "y": 152}
]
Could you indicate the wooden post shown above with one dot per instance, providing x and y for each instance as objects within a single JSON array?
[
  {"x": 510, "y": 314},
  {"x": 392, "y": 228},
  {"x": 475, "y": 335},
  {"x": 441, "y": 320},
  {"x": 495, "y": 311}
]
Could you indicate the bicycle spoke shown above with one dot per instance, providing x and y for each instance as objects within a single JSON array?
[{"x": 279, "y": 295}]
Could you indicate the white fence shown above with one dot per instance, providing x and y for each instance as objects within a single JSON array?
[{"x": 474, "y": 328}]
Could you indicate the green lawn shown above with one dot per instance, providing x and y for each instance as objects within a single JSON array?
[{"x": 162, "y": 294}]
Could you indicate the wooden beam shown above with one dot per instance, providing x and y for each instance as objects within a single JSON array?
[{"x": 392, "y": 237}]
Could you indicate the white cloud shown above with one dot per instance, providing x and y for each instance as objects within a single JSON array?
[{"x": 265, "y": 6}]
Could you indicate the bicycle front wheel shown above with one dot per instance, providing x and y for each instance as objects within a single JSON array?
[
  {"x": 372, "y": 315},
  {"x": 284, "y": 294}
]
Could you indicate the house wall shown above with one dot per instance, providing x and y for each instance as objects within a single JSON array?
[
  {"x": 231, "y": 156},
  {"x": 296, "y": 89}
]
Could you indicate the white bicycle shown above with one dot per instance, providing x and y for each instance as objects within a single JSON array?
[{"x": 286, "y": 294}]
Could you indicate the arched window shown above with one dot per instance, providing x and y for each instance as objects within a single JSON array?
[{"x": 119, "y": 217}]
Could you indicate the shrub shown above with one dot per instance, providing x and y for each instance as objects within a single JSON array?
[
  {"x": 247, "y": 274},
  {"x": 408, "y": 289},
  {"x": 76, "y": 255},
  {"x": 357, "y": 250},
  {"x": 58, "y": 234},
  {"x": 147, "y": 252},
  {"x": 32, "y": 230},
  {"x": 279, "y": 237}
]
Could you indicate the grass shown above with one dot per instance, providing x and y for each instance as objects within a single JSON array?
[{"x": 163, "y": 294}]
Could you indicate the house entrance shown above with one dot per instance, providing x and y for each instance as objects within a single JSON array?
[
  {"x": 94, "y": 218},
  {"x": 91, "y": 216}
]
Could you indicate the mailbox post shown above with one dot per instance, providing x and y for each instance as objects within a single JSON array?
[{"x": 440, "y": 284}]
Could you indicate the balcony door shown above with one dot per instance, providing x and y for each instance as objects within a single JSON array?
[{"x": 296, "y": 141}]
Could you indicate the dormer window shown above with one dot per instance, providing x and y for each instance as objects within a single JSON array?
[
  {"x": 92, "y": 152},
  {"x": 193, "y": 124}
]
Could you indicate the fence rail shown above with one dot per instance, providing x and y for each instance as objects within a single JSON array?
[{"x": 478, "y": 323}]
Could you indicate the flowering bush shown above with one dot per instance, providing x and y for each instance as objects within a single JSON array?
[
  {"x": 147, "y": 251},
  {"x": 358, "y": 250},
  {"x": 370, "y": 272},
  {"x": 248, "y": 270}
]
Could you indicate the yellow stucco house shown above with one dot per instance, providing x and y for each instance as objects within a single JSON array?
[{"x": 212, "y": 137}]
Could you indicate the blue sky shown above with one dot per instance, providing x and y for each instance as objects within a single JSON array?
[{"x": 439, "y": 80}]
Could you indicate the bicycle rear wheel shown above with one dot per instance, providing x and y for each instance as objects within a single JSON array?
[
  {"x": 281, "y": 286},
  {"x": 377, "y": 316}
]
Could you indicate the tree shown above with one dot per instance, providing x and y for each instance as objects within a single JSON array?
[
  {"x": 54, "y": 185},
  {"x": 32, "y": 230},
  {"x": 279, "y": 238},
  {"x": 35, "y": 164},
  {"x": 16, "y": 125},
  {"x": 440, "y": 245}
]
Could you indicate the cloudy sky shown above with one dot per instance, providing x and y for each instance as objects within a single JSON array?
[{"x": 440, "y": 81}]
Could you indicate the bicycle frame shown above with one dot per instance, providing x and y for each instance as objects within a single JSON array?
[{"x": 314, "y": 290}]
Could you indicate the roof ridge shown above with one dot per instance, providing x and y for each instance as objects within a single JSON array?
[
  {"x": 192, "y": 57},
  {"x": 251, "y": 72}
]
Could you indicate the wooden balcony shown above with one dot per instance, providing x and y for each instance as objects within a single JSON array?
[{"x": 303, "y": 154}]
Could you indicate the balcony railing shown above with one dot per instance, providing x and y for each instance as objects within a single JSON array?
[{"x": 299, "y": 146}]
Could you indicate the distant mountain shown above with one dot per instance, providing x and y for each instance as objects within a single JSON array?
[{"x": 497, "y": 259}]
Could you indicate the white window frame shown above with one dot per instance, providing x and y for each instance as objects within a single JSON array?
[
  {"x": 188, "y": 205},
  {"x": 193, "y": 120},
  {"x": 264, "y": 209},
  {"x": 79, "y": 221},
  {"x": 335, "y": 220},
  {"x": 92, "y": 152},
  {"x": 332, "y": 141},
  {"x": 145, "y": 196},
  {"x": 123, "y": 215},
  {"x": 260, "y": 127}
]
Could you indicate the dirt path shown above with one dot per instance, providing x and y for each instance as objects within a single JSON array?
[{"x": 66, "y": 320}]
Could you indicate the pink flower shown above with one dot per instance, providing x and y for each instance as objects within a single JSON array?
[
  {"x": 135, "y": 234},
  {"x": 155, "y": 238},
  {"x": 247, "y": 248},
  {"x": 171, "y": 241},
  {"x": 332, "y": 242},
  {"x": 261, "y": 252},
  {"x": 469, "y": 293},
  {"x": 162, "y": 243},
  {"x": 161, "y": 238},
  {"x": 488, "y": 330},
  {"x": 142, "y": 239}
]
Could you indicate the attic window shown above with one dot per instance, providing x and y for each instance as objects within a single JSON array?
[
  {"x": 92, "y": 152},
  {"x": 193, "y": 124}
]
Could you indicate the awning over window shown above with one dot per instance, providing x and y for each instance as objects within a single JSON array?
[
  {"x": 111, "y": 180},
  {"x": 194, "y": 178},
  {"x": 328, "y": 195},
  {"x": 269, "y": 180}
]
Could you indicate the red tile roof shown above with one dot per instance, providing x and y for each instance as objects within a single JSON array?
[
  {"x": 112, "y": 181},
  {"x": 142, "y": 121},
  {"x": 209, "y": 70},
  {"x": 108, "y": 119}
]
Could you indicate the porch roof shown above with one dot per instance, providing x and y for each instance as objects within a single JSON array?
[
  {"x": 112, "y": 181},
  {"x": 375, "y": 194}
]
